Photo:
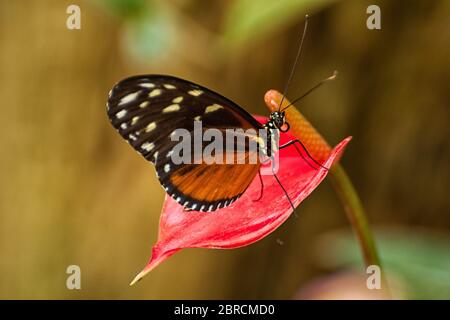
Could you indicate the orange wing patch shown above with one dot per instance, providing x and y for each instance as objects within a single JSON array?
[{"x": 213, "y": 184}]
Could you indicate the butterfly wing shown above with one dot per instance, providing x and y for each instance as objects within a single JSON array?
[{"x": 147, "y": 110}]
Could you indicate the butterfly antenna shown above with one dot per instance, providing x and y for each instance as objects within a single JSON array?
[
  {"x": 299, "y": 51},
  {"x": 332, "y": 77}
]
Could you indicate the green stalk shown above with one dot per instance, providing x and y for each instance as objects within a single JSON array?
[{"x": 357, "y": 217}]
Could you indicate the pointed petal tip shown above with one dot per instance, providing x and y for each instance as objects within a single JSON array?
[
  {"x": 341, "y": 145},
  {"x": 156, "y": 259},
  {"x": 138, "y": 278},
  {"x": 149, "y": 267}
]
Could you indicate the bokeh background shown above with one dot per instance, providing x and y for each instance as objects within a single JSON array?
[{"x": 72, "y": 192}]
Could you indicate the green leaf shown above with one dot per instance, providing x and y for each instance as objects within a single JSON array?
[
  {"x": 125, "y": 8},
  {"x": 248, "y": 19},
  {"x": 149, "y": 37}
]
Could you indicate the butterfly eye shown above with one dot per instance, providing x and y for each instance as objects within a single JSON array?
[{"x": 285, "y": 127}]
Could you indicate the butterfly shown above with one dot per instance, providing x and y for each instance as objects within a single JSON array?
[{"x": 147, "y": 109}]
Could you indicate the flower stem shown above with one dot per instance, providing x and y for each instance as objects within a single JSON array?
[{"x": 357, "y": 217}]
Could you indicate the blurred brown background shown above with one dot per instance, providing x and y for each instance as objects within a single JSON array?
[{"x": 73, "y": 192}]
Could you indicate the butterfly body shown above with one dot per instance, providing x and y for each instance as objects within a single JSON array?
[{"x": 147, "y": 110}]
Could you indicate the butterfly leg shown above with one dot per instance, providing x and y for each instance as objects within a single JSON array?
[
  {"x": 261, "y": 180},
  {"x": 294, "y": 142},
  {"x": 284, "y": 190},
  {"x": 262, "y": 187}
]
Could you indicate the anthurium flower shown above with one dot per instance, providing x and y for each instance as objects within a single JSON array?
[{"x": 247, "y": 220}]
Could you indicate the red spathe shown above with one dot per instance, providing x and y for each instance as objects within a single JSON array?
[{"x": 245, "y": 221}]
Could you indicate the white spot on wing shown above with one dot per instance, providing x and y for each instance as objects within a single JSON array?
[
  {"x": 171, "y": 108},
  {"x": 147, "y": 85},
  {"x": 151, "y": 126},
  {"x": 123, "y": 125},
  {"x": 198, "y": 118},
  {"x": 169, "y": 86},
  {"x": 195, "y": 92},
  {"x": 213, "y": 108},
  {"x": 129, "y": 97},
  {"x": 167, "y": 168},
  {"x": 121, "y": 114},
  {"x": 134, "y": 120},
  {"x": 147, "y": 146},
  {"x": 177, "y": 99},
  {"x": 143, "y": 104},
  {"x": 154, "y": 93}
]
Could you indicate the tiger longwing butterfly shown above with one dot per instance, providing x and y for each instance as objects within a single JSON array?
[{"x": 146, "y": 110}]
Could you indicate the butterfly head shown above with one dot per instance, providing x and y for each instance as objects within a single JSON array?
[{"x": 278, "y": 120}]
